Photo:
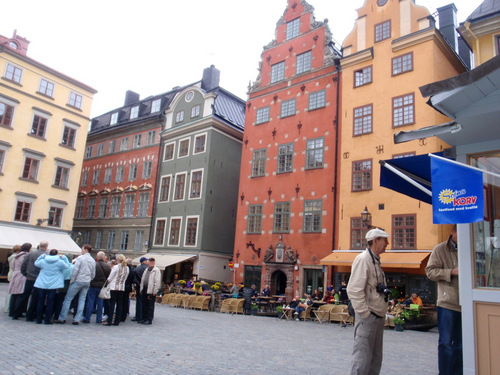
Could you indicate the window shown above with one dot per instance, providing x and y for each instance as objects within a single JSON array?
[
  {"x": 69, "y": 136},
  {"x": 362, "y": 76},
  {"x": 30, "y": 169},
  {"x": 179, "y": 117},
  {"x": 137, "y": 141},
  {"x": 13, "y": 73},
  {"x": 75, "y": 100},
  {"x": 142, "y": 206},
  {"x": 314, "y": 153},
  {"x": 288, "y": 108},
  {"x": 124, "y": 144},
  {"x": 292, "y": 29},
  {"x": 103, "y": 207},
  {"x": 85, "y": 178},
  {"x": 254, "y": 223},
  {"x": 358, "y": 234},
  {"x": 46, "y": 88},
  {"x": 259, "y": 163},
  {"x": 317, "y": 99},
  {"x": 262, "y": 115},
  {"x": 277, "y": 72},
  {"x": 100, "y": 149},
  {"x": 169, "y": 151},
  {"x": 285, "y": 158},
  {"x": 195, "y": 189},
  {"x": 403, "y": 232},
  {"x": 111, "y": 240},
  {"x": 191, "y": 230},
  {"x": 183, "y": 148},
  {"x": 139, "y": 239},
  {"x": 175, "y": 228},
  {"x": 98, "y": 239},
  {"x": 180, "y": 182},
  {"x": 382, "y": 31},
  {"x": 312, "y": 216},
  {"x": 55, "y": 216},
  {"x": 304, "y": 62},
  {"x": 195, "y": 111},
  {"x": 402, "y": 64},
  {"x": 151, "y": 138},
  {"x": 403, "y": 155},
  {"x": 39, "y": 126},
  {"x": 80, "y": 203},
  {"x": 134, "y": 112},
  {"x": 6, "y": 113},
  {"x": 86, "y": 236},
  {"x": 363, "y": 117},
  {"x": 124, "y": 240},
  {"x": 281, "y": 217},
  {"x": 361, "y": 175},
  {"x": 155, "y": 106},
  {"x": 120, "y": 173},
  {"x": 62, "y": 177},
  {"x": 132, "y": 172},
  {"x": 199, "y": 143},
  {"x": 91, "y": 208},
  {"x": 2, "y": 159},
  {"x": 88, "y": 152},
  {"x": 147, "y": 169},
  {"x": 116, "y": 203},
  {"x": 160, "y": 232},
  {"x": 23, "y": 211},
  {"x": 96, "y": 176},
  {"x": 128, "y": 206},
  {"x": 403, "y": 110},
  {"x": 111, "y": 147},
  {"x": 165, "y": 188},
  {"x": 107, "y": 175}
]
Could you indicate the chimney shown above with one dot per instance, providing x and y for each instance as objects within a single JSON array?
[
  {"x": 448, "y": 24},
  {"x": 210, "y": 78},
  {"x": 131, "y": 97}
]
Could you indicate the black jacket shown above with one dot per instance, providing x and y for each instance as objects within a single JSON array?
[
  {"x": 102, "y": 271},
  {"x": 139, "y": 270}
]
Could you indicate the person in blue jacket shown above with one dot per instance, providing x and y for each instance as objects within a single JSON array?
[{"x": 50, "y": 278}]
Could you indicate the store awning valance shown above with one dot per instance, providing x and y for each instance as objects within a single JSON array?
[
  {"x": 389, "y": 259},
  {"x": 163, "y": 260}
]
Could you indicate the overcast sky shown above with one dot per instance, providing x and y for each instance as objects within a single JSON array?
[{"x": 150, "y": 46}]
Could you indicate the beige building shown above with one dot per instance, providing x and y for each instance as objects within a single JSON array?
[{"x": 44, "y": 118}]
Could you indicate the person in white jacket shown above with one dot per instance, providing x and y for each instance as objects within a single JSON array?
[
  {"x": 150, "y": 284},
  {"x": 116, "y": 281}
]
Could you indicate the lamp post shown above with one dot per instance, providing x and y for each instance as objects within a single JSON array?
[{"x": 366, "y": 218}]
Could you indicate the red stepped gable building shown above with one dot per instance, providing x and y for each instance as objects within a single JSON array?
[{"x": 285, "y": 219}]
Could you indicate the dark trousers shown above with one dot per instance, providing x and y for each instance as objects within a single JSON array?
[
  {"x": 58, "y": 302},
  {"x": 22, "y": 303},
  {"x": 115, "y": 300},
  {"x": 450, "y": 358},
  {"x": 138, "y": 304},
  {"x": 148, "y": 306},
  {"x": 126, "y": 305},
  {"x": 14, "y": 301},
  {"x": 48, "y": 305}
]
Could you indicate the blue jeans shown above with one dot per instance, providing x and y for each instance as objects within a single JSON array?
[
  {"x": 50, "y": 294},
  {"x": 73, "y": 290},
  {"x": 94, "y": 300},
  {"x": 450, "y": 358}
]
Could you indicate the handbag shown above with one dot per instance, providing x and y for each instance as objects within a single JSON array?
[{"x": 105, "y": 292}]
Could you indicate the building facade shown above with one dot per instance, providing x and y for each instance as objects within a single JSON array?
[
  {"x": 44, "y": 117},
  {"x": 286, "y": 204}
]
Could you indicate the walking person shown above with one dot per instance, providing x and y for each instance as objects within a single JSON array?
[
  {"x": 16, "y": 286},
  {"x": 368, "y": 294},
  {"x": 116, "y": 281},
  {"x": 138, "y": 272},
  {"x": 102, "y": 271},
  {"x": 150, "y": 283},
  {"x": 83, "y": 273},
  {"x": 50, "y": 278},
  {"x": 443, "y": 269}
]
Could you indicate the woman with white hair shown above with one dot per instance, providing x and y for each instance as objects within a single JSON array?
[{"x": 116, "y": 281}]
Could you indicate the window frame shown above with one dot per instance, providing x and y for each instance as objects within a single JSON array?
[
  {"x": 303, "y": 62},
  {"x": 403, "y": 241},
  {"x": 285, "y": 158},
  {"x": 196, "y": 149},
  {"x": 259, "y": 161},
  {"x": 120, "y": 173},
  {"x": 183, "y": 151},
  {"x": 134, "y": 112},
  {"x": 179, "y": 117},
  {"x": 56, "y": 213},
  {"x": 254, "y": 218},
  {"x": 198, "y": 184},
  {"x": 317, "y": 100},
  {"x": 167, "y": 155},
  {"x": 365, "y": 180},
  {"x": 115, "y": 206},
  {"x": 363, "y": 76},
  {"x": 129, "y": 205},
  {"x": 358, "y": 231},
  {"x": 62, "y": 176},
  {"x": 150, "y": 140},
  {"x": 160, "y": 231},
  {"x": 147, "y": 169},
  {"x": 262, "y": 115},
  {"x": 39, "y": 124},
  {"x": 7, "y": 117},
  {"x": 136, "y": 141},
  {"x": 314, "y": 225},
  {"x": 124, "y": 237},
  {"x": 133, "y": 169},
  {"x": 278, "y": 72},
  {"x": 196, "y": 110},
  {"x": 188, "y": 231},
  {"x": 13, "y": 73},
  {"x": 177, "y": 233},
  {"x": 110, "y": 242},
  {"x": 143, "y": 204},
  {"x": 288, "y": 108},
  {"x": 164, "y": 190},
  {"x": 155, "y": 105},
  {"x": 69, "y": 134},
  {"x": 102, "y": 213},
  {"x": 46, "y": 88},
  {"x": 75, "y": 100},
  {"x": 382, "y": 35},
  {"x": 91, "y": 208},
  {"x": 315, "y": 149},
  {"x": 282, "y": 217},
  {"x": 403, "y": 108},
  {"x": 293, "y": 28},
  {"x": 400, "y": 61},
  {"x": 177, "y": 187},
  {"x": 362, "y": 118}
]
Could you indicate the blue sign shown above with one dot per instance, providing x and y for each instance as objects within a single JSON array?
[{"x": 457, "y": 193}]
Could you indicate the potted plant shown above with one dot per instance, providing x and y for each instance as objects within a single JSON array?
[
  {"x": 399, "y": 323},
  {"x": 254, "y": 308}
]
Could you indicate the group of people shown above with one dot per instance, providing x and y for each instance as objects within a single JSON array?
[{"x": 44, "y": 285}]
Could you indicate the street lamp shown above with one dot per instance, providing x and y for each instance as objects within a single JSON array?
[{"x": 366, "y": 218}]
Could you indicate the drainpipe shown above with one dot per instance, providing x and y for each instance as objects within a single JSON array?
[
  {"x": 336, "y": 158},
  {"x": 478, "y": 52}
]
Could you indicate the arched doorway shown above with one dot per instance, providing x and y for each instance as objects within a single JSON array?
[{"x": 278, "y": 282}]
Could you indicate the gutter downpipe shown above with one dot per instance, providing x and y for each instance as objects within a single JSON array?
[
  {"x": 467, "y": 27},
  {"x": 336, "y": 168}
]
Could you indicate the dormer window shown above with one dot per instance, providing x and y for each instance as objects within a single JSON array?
[
  {"x": 13, "y": 45},
  {"x": 114, "y": 118},
  {"x": 155, "y": 106},
  {"x": 134, "y": 112}
]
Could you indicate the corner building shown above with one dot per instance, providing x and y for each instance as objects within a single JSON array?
[{"x": 286, "y": 199}]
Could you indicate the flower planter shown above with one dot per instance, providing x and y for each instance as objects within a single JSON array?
[{"x": 399, "y": 327}]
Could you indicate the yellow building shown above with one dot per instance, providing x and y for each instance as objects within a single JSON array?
[
  {"x": 44, "y": 118},
  {"x": 393, "y": 49}
]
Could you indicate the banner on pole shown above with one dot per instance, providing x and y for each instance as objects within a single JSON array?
[{"x": 457, "y": 193}]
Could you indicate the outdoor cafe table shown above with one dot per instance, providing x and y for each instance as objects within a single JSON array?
[
  {"x": 263, "y": 302},
  {"x": 287, "y": 313}
]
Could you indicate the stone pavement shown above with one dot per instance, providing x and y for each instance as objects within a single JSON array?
[{"x": 188, "y": 342}]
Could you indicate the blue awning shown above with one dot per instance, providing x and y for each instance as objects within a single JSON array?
[{"x": 410, "y": 176}]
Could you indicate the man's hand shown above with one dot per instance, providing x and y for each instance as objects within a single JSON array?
[{"x": 454, "y": 272}]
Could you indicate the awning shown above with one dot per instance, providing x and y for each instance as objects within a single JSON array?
[
  {"x": 163, "y": 260},
  {"x": 11, "y": 235},
  {"x": 410, "y": 176},
  {"x": 389, "y": 259}
]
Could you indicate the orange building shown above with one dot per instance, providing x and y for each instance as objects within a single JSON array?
[
  {"x": 393, "y": 49},
  {"x": 286, "y": 209}
]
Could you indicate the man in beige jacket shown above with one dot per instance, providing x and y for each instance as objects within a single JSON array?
[
  {"x": 150, "y": 283},
  {"x": 367, "y": 291}
]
